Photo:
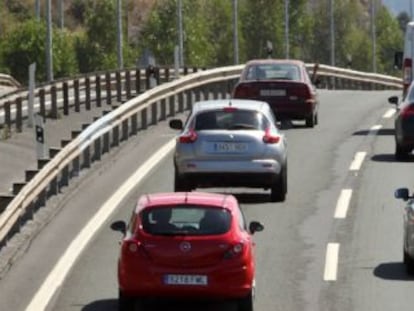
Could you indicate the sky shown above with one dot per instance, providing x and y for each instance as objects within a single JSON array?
[{"x": 398, "y": 6}]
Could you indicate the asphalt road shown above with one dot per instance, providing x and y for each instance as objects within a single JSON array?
[{"x": 340, "y": 205}]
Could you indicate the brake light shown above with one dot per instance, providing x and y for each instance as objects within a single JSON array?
[
  {"x": 407, "y": 74},
  {"x": 269, "y": 138},
  {"x": 188, "y": 137},
  {"x": 135, "y": 248},
  {"x": 234, "y": 251},
  {"x": 244, "y": 91},
  {"x": 229, "y": 109},
  {"x": 408, "y": 111},
  {"x": 301, "y": 91}
]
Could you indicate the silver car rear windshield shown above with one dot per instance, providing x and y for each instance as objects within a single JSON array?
[
  {"x": 231, "y": 120},
  {"x": 185, "y": 220}
]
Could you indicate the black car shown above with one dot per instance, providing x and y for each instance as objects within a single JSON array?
[
  {"x": 408, "y": 249},
  {"x": 404, "y": 124}
]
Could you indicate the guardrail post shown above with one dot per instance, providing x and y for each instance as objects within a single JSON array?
[
  {"x": 97, "y": 149},
  {"x": 42, "y": 102},
  {"x": 7, "y": 116},
  {"x": 86, "y": 152},
  {"x": 76, "y": 90},
  {"x": 115, "y": 136},
  {"x": 134, "y": 124},
  {"x": 87, "y": 93},
  {"x": 189, "y": 99},
  {"x": 154, "y": 113},
  {"x": 137, "y": 81},
  {"x": 197, "y": 94},
  {"x": 5, "y": 200},
  {"x": 29, "y": 174},
  {"x": 108, "y": 88},
  {"x": 216, "y": 94},
  {"x": 118, "y": 86},
  {"x": 54, "y": 106},
  {"x": 17, "y": 187},
  {"x": 19, "y": 114},
  {"x": 75, "y": 161},
  {"x": 167, "y": 74},
  {"x": 128, "y": 84},
  {"x": 65, "y": 98},
  {"x": 171, "y": 101},
  {"x": 125, "y": 130},
  {"x": 65, "y": 174},
  {"x": 144, "y": 118},
  {"x": 185, "y": 71},
  {"x": 163, "y": 109},
  {"x": 106, "y": 138},
  {"x": 98, "y": 90},
  {"x": 180, "y": 102}
]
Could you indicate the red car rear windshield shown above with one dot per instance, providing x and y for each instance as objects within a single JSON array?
[
  {"x": 231, "y": 120},
  {"x": 185, "y": 220}
]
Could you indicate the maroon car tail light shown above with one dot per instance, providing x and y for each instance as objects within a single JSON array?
[
  {"x": 235, "y": 251},
  {"x": 302, "y": 91},
  {"x": 269, "y": 138},
  {"x": 188, "y": 137},
  {"x": 408, "y": 111},
  {"x": 229, "y": 109},
  {"x": 407, "y": 69},
  {"x": 245, "y": 91}
]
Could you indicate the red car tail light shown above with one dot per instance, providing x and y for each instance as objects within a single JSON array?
[
  {"x": 188, "y": 137},
  {"x": 408, "y": 111},
  {"x": 235, "y": 251},
  {"x": 269, "y": 138},
  {"x": 229, "y": 109},
  {"x": 301, "y": 91},
  {"x": 133, "y": 247},
  {"x": 244, "y": 91}
]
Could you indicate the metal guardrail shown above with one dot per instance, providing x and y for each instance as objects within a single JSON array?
[
  {"x": 9, "y": 81},
  {"x": 136, "y": 115}
]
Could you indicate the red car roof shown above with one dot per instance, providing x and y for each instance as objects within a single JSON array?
[{"x": 194, "y": 198}]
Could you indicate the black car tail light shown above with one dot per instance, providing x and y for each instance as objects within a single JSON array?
[{"x": 408, "y": 111}]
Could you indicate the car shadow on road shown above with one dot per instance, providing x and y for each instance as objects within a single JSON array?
[
  {"x": 252, "y": 198},
  {"x": 381, "y": 132},
  {"x": 392, "y": 271},
  {"x": 390, "y": 157},
  {"x": 112, "y": 305}
]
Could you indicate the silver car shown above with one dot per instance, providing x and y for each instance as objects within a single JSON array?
[
  {"x": 408, "y": 249},
  {"x": 231, "y": 143}
]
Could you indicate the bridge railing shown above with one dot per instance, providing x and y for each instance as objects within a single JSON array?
[{"x": 135, "y": 115}]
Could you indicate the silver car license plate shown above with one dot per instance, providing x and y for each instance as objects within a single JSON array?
[{"x": 230, "y": 147}]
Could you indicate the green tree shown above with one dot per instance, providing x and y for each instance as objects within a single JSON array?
[{"x": 24, "y": 44}]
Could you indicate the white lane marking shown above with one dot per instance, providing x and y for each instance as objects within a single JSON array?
[
  {"x": 357, "y": 162},
  {"x": 58, "y": 274},
  {"x": 373, "y": 130},
  {"x": 331, "y": 262},
  {"x": 389, "y": 113},
  {"x": 343, "y": 203}
]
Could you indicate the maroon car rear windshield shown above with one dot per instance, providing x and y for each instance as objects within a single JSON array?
[
  {"x": 273, "y": 72},
  {"x": 185, "y": 220}
]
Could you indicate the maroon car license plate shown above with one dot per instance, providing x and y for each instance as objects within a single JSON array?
[
  {"x": 276, "y": 92},
  {"x": 185, "y": 279}
]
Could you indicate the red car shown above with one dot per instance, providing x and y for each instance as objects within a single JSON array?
[
  {"x": 284, "y": 84},
  {"x": 186, "y": 245}
]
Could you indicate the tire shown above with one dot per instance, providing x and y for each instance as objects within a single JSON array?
[
  {"x": 400, "y": 152},
  {"x": 125, "y": 303},
  {"x": 279, "y": 189},
  {"x": 409, "y": 263},
  {"x": 246, "y": 303},
  {"x": 310, "y": 121},
  {"x": 180, "y": 184}
]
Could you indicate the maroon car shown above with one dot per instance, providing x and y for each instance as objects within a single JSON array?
[{"x": 284, "y": 84}]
